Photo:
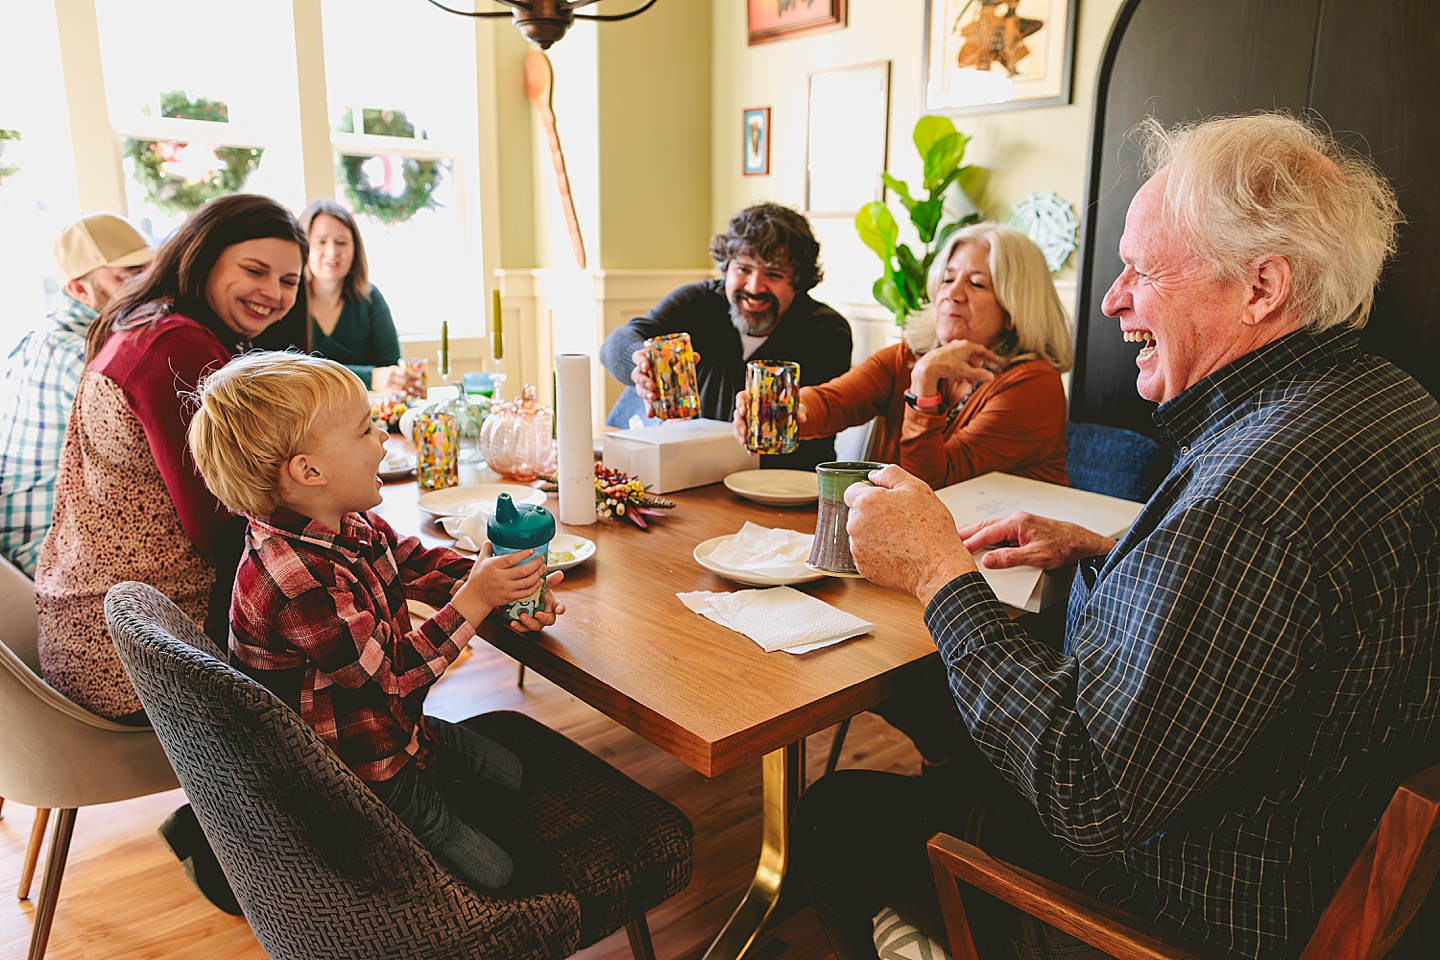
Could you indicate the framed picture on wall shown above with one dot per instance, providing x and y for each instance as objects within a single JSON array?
[
  {"x": 779, "y": 19},
  {"x": 988, "y": 55},
  {"x": 846, "y": 129},
  {"x": 756, "y": 132}
]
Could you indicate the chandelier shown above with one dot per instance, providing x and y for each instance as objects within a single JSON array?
[{"x": 542, "y": 22}]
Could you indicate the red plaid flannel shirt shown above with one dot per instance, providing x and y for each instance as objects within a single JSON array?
[{"x": 333, "y": 606}]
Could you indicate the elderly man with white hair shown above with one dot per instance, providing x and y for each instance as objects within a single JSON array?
[{"x": 1249, "y": 672}]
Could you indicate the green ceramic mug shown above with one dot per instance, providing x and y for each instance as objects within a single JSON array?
[{"x": 830, "y": 552}]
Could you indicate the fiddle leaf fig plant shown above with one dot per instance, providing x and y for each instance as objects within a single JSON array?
[{"x": 901, "y": 289}]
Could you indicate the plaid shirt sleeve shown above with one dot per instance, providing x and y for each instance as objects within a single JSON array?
[
  {"x": 284, "y": 607},
  {"x": 1188, "y": 648},
  {"x": 41, "y": 380},
  {"x": 429, "y": 574}
]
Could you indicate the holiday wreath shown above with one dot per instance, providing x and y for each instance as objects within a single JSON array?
[
  {"x": 405, "y": 185},
  {"x": 178, "y": 177},
  {"x": 8, "y": 169}
]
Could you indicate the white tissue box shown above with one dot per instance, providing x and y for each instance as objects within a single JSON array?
[{"x": 678, "y": 454}]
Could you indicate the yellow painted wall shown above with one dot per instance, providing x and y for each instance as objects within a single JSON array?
[
  {"x": 655, "y": 95},
  {"x": 1041, "y": 149},
  {"x": 632, "y": 105}
]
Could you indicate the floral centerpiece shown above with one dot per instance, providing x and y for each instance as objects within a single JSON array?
[{"x": 619, "y": 495}]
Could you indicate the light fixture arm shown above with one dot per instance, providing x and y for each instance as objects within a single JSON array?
[{"x": 544, "y": 21}]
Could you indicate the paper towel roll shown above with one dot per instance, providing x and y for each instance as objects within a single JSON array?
[{"x": 573, "y": 434}]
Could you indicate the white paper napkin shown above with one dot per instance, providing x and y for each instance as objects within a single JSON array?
[
  {"x": 778, "y": 618},
  {"x": 468, "y": 532},
  {"x": 757, "y": 549},
  {"x": 397, "y": 459}
]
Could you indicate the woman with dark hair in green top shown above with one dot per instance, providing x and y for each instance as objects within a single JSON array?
[{"x": 349, "y": 319}]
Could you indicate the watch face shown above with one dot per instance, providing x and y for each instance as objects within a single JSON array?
[{"x": 1047, "y": 219}]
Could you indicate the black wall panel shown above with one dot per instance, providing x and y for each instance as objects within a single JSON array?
[{"x": 1371, "y": 71}]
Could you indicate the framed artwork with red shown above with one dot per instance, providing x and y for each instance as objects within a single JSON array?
[{"x": 781, "y": 19}]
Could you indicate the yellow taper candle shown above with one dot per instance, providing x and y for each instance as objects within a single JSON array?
[
  {"x": 444, "y": 348},
  {"x": 497, "y": 344}
]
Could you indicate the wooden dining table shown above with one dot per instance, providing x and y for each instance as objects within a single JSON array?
[{"x": 709, "y": 696}]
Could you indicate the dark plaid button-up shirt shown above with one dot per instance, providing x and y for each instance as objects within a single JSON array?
[{"x": 1251, "y": 670}]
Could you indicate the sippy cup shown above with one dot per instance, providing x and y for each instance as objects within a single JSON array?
[{"x": 526, "y": 528}]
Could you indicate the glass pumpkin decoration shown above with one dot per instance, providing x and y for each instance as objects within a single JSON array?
[{"x": 517, "y": 439}]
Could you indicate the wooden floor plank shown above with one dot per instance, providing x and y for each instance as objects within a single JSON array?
[{"x": 124, "y": 895}]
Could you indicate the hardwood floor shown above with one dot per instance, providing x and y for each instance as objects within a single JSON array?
[{"x": 124, "y": 895}]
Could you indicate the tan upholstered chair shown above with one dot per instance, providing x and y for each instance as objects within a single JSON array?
[
  {"x": 1380, "y": 895},
  {"x": 55, "y": 754}
]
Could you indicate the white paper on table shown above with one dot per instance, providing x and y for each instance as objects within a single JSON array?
[
  {"x": 997, "y": 495},
  {"x": 777, "y": 618},
  {"x": 575, "y": 440}
]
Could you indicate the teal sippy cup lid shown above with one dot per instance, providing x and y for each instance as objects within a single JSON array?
[{"x": 518, "y": 526}]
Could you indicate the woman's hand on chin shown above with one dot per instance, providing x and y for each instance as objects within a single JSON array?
[{"x": 959, "y": 360}]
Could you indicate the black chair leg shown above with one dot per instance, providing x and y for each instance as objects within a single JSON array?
[
  {"x": 639, "y": 933},
  {"x": 54, "y": 873},
  {"x": 837, "y": 745}
]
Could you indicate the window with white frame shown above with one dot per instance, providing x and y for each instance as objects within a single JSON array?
[
  {"x": 194, "y": 115},
  {"x": 38, "y": 195},
  {"x": 401, "y": 90}
]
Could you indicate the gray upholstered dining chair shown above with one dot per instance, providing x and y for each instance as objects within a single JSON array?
[
  {"x": 57, "y": 755},
  {"x": 323, "y": 869}
]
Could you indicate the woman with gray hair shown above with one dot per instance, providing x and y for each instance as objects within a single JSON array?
[{"x": 975, "y": 386}]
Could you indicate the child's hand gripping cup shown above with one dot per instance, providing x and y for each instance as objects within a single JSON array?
[
  {"x": 523, "y": 528},
  {"x": 772, "y": 397},
  {"x": 672, "y": 367}
]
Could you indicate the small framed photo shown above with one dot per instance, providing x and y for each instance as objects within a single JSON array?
[
  {"x": 756, "y": 159},
  {"x": 778, "y": 19},
  {"x": 987, "y": 55}
]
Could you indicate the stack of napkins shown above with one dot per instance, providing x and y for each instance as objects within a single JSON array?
[
  {"x": 778, "y": 618},
  {"x": 765, "y": 550}
]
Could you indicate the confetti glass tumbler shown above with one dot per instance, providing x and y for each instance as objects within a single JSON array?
[
  {"x": 418, "y": 366},
  {"x": 437, "y": 449},
  {"x": 772, "y": 393},
  {"x": 672, "y": 367}
]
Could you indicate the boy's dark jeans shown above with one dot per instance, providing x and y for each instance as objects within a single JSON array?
[{"x": 469, "y": 769}]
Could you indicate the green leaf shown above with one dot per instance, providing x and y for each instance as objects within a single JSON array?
[
  {"x": 926, "y": 216},
  {"x": 877, "y": 229},
  {"x": 930, "y": 129},
  {"x": 909, "y": 266},
  {"x": 943, "y": 159},
  {"x": 901, "y": 188},
  {"x": 888, "y": 296},
  {"x": 944, "y": 235}
]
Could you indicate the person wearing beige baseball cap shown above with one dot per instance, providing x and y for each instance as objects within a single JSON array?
[{"x": 96, "y": 255}]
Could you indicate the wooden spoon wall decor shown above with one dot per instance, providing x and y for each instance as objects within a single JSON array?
[{"x": 539, "y": 88}]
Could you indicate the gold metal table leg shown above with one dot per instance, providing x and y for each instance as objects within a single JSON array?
[{"x": 782, "y": 778}]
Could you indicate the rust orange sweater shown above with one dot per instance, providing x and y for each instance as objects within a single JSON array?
[{"x": 1013, "y": 424}]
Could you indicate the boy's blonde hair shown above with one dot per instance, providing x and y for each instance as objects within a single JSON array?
[{"x": 254, "y": 414}]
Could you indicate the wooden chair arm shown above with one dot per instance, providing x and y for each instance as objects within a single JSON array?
[{"x": 1098, "y": 924}]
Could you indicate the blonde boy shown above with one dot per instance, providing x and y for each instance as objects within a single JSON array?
[{"x": 319, "y": 612}]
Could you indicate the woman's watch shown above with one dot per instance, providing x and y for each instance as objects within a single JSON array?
[{"x": 930, "y": 404}]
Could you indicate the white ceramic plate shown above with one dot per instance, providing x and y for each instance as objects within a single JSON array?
[
  {"x": 778, "y": 488},
  {"x": 748, "y": 577},
  {"x": 463, "y": 501},
  {"x": 397, "y": 468},
  {"x": 579, "y": 549}
]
